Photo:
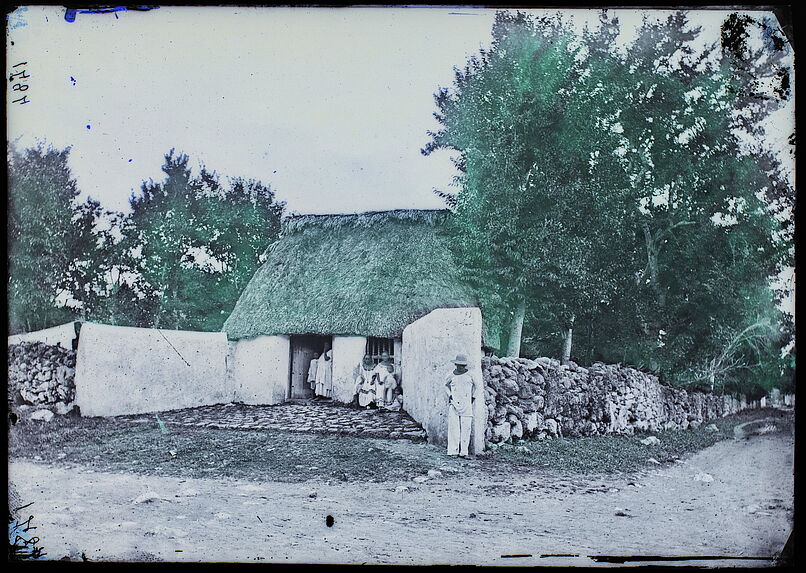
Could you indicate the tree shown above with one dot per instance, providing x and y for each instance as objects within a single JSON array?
[
  {"x": 613, "y": 193},
  {"x": 195, "y": 243},
  {"x": 527, "y": 227},
  {"x": 47, "y": 227}
]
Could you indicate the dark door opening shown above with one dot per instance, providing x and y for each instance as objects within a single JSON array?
[{"x": 303, "y": 349}]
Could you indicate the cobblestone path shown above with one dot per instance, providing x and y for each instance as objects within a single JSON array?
[{"x": 311, "y": 417}]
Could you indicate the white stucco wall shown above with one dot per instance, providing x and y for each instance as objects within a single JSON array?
[
  {"x": 61, "y": 335},
  {"x": 258, "y": 369},
  {"x": 348, "y": 351},
  {"x": 125, "y": 370},
  {"x": 429, "y": 346}
]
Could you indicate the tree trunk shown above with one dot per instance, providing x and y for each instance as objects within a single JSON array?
[
  {"x": 569, "y": 333},
  {"x": 516, "y": 330}
]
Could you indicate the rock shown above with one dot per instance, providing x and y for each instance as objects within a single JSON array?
[
  {"x": 450, "y": 470},
  {"x": 402, "y": 489},
  {"x": 653, "y": 461},
  {"x": 420, "y": 479},
  {"x": 530, "y": 422},
  {"x": 552, "y": 427},
  {"x": 434, "y": 474},
  {"x": 704, "y": 477},
  {"x": 42, "y": 415},
  {"x": 650, "y": 441},
  {"x": 516, "y": 432},
  {"x": 501, "y": 431},
  {"x": 147, "y": 497},
  {"x": 712, "y": 428},
  {"x": 312, "y": 494},
  {"x": 509, "y": 387}
]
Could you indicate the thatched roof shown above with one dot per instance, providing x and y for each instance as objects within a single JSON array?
[{"x": 367, "y": 274}]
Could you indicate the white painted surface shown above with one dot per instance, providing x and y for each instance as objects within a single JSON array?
[
  {"x": 125, "y": 370},
  {"x": 259, "y": 369},
  {"x": 61, "y": 335},
  {"x": 348, "y": 351},
  {"x": 429, "y": 346}
]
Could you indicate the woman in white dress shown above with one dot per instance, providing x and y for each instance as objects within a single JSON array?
[{"x": 364, "y": 383}]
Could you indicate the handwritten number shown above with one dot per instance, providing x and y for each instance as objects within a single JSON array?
[
  {"x": 22, "y": 100},
  {"x": 20, "y": 87},
  {"x": 20, "y": 64}
]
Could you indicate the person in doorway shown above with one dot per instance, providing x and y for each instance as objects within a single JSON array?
[
  {"x": 387, "y": 385},
  {"x": 312, "y": 370},
  {"x": 365, "y": 383},
  {"x": 384, "y": 378},
  {"x": 460, "y": 388},
  {"x": 324, "y": 375}
]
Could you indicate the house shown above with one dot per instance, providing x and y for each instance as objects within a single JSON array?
[{"x": 361, "y": 283}]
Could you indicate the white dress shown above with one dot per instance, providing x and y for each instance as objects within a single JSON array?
[
  {"x": 324, "y": 375},
  {"x": 365, "y": 387}
]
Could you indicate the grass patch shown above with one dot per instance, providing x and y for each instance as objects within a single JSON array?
[
  {"x": 114, "y": 445},
  {"x": 142, "y": 448},
  {"x": 625, "y": 454}
]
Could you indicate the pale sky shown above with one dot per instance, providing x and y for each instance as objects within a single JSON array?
[{"x": 329, "y": 106}]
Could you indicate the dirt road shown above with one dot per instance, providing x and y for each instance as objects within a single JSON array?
[{"x": 732, "y": 499}]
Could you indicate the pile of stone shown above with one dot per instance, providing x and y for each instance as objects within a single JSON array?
[
  {"x": 543, "y": 398},
  {"x": 41, "y": 375}
]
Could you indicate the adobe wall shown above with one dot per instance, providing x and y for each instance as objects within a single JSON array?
[
  {"x": 62, "y": 335},
  {"x": 542, "y": 398},
  {"x": 429, "y": 346},
  {"x": 258, "y": 369},
  {"x": 126, "y": 370}
]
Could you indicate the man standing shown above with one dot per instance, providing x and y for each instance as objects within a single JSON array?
[{"x": 460, "y": 387}]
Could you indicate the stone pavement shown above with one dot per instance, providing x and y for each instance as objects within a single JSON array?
[{"x": 301, "y": 416}]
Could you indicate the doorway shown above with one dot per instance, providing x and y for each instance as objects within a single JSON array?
[{"x": 303, "y": 348}]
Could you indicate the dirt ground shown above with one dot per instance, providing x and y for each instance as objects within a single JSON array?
[{"x": 734, "y": 499}]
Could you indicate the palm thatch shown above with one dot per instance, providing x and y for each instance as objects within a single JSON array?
[{"x": 367, "y": 274}]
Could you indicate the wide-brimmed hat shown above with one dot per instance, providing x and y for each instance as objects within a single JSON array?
[{"x": 460, "y": 359}]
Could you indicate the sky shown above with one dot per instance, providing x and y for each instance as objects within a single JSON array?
[{"x": 330, "y": 106}]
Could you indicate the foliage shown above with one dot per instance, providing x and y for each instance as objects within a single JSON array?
[
  {"x": 195, "y": 243},
  {"x": 47, "y": 229},
  {"x": 624, "y": 192}
]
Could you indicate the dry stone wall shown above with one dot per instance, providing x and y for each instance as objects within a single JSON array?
[
  {"x": 543, "y": 398},
  {"x": 41, "y": 375}
]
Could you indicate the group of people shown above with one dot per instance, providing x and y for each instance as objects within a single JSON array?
[
  {"x": 320, "y": 374},
  {"x": 377, "y": 386}
]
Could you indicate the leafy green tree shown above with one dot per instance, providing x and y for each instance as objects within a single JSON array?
[
  {"x": 620, "y": 193},
  {"x": 195, "y": 243},
  {"x": 528, "y": 228},
  {"x": 47, "y": 228}
]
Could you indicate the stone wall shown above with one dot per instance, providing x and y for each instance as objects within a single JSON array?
[
  {"x": 542, "y": 398},
  {"x": 429, "y": 346},
  {"x": 41, "y": 376},
  {"x": 126, "y": 370}
]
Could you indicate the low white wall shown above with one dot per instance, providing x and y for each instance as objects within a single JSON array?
[
  {"x": 348, "y": 352},
  {"x": 62, "y": 335},
  {"x": 429, "y": 346},
  {"x": 258, "y": 369},
  {"x": 125, "y": 370}
]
